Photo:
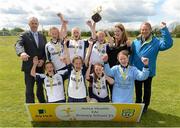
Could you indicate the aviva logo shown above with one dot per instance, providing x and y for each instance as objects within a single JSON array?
[
  {"x": 128, "y": 113},
  {"x": 41, "y": 111}
]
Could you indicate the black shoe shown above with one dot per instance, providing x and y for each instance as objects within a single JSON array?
[{"x": 145, "y": 109}]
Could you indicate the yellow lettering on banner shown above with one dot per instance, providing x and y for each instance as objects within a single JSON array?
[{"x": 85, "y": 111}]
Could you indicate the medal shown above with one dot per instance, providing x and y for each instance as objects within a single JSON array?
[
  {"x": 76, "y": 87},
  {"x": 57, "y": 47},
  {"x": 100, "y": 50},
  {"x": 123, "y": 73}
]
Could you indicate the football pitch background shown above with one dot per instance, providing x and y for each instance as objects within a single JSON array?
[{"x": 164, "y": 109}]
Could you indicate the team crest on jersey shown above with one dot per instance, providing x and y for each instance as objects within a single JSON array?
[
  {"x": 103, "y": 51},
  {"x": 127, "y": 113},
  {"x": 59, "y": 83},
  {"x": 80, "y": 47},
  {"x": 103, "y": 87},
  {"x": 51, "y": 49}
]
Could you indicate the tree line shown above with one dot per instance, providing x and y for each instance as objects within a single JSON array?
[{"x": 131, "y": 33}]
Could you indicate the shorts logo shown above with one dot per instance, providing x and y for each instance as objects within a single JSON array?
[{"x": 128, "y": 113}]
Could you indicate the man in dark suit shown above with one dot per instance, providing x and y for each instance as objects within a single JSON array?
[{"x": 32, "y": 43}]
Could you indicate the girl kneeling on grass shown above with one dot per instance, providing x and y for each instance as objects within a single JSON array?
[
  {"x": 98, "y": 88},
  {"x": 124, "y": 76},
  {"x": 53, "y": 82}
]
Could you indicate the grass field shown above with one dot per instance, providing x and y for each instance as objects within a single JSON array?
[{"x": 165, "y": 103}]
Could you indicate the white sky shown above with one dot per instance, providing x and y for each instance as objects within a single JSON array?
[{"x": 15, "y": 13}]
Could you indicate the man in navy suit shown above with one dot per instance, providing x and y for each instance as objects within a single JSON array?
[{"x": 32, "y": 43}]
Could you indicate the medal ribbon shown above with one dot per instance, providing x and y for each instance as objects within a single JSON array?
[
  {"x": 51, "y": 83},
  {"x": 99, "y": 85},
  {"x": 123, "y": 73},
  {"x": 77, "y": 74},
  {"x": 100, "y": 46},
  {"x": 75, "y": 47}
]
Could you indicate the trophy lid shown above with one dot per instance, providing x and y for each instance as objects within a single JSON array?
[{"x": 96, "y": 17}]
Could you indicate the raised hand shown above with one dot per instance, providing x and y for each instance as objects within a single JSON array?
[
  {"x": 90, "y": 41},
  {"x": 145, "y": 60},
  {"x": 60, "y": 16},
  {"x": 65, "y": 41},
  {"x": 35, "y": 60},
  {"x": 128, "y": 42},
  {"x": 162, "y": 25},
  {"x": 89, "y": 23},
  {"x": 41, "y": 62},
  {"x": 105, "y": 57}
]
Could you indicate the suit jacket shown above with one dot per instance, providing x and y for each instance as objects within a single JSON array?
[{"x": 26, "y": 43}]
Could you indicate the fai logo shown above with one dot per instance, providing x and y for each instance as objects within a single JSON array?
[{"x": 128, "y": 113}]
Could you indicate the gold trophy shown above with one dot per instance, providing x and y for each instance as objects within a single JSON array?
[{"x": 97, "y": 17}]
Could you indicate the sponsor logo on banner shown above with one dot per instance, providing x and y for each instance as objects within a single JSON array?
[
  {"x": 127, "y": 113},
  {"x": 41, "y": 113}
]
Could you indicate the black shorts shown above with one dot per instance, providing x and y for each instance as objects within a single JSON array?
[
  {"x": 59, "y": 101},
  {"x": 106, "y": 99},
  {"x": 70, "y": 99}
]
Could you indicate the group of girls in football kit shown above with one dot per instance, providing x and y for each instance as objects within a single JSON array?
[{"x": 95, "y": 69}]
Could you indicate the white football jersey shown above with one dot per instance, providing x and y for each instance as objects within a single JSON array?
[
  {"x": 53, "y": 53},
  {"x": 77, "y": 48},
  {"x": 99, "y": 88},
  {"x": 76, "y": 87},
  {"x": 54, "y": 87},
  {"x": 98, "y": 51}
]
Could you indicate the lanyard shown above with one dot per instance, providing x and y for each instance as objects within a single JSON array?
[
  {"x": 77, "y": 74},
  {"x": 99, "y": 48},
  {"x": 123, "y": 73},
  {"x": 57, "y": 47},
  {"x": 51, "y": 84},
  {"x": 99, "y": 85},
  {"x": 75, "y": 43}
]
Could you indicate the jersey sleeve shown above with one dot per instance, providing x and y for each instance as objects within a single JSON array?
[
  {"x": 141, "y": 75},
  {"x": 48, "y": 57},
  {"x": 109, "y": 71},
  {"x": 64, "y": 75},
  {"x": 90, "y": 78},
  {"x": 40, "y": 76},
  {"x": 69, "y": 68},
  {"x": 84, "y": 70},
  {"x": 68, "y": 44},
  {"x": 19, "y": 46},
  {"x": 86, "y": 44}
]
